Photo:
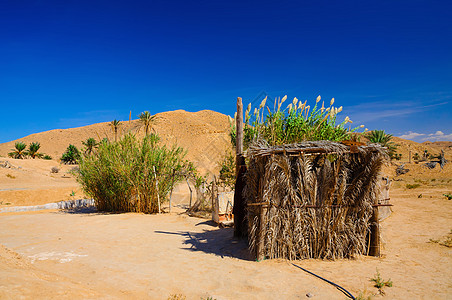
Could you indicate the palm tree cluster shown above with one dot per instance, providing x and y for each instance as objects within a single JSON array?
[{"x": 20, "y": 151}]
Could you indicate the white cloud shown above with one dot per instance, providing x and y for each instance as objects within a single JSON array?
[
  {"x": 411, "y": 135},
  {"x": 371, "y": 111},
  {"x": 422, "y": 137},
  {"x": 438, "y": 133}
]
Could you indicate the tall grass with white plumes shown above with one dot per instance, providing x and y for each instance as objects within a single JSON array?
[{"x": 297, "y": 122}]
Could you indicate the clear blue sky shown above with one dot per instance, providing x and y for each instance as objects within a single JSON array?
[{"x": 72, "y": 63}]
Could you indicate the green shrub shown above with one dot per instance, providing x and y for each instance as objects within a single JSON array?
[
  {"x": 47, "y": 157},
  {"x": 122, "y": 176},
  {"x": 227, "y": 170},
  {"x": 71, "y": 155},
  {"x": 413, "y": 186},
  {"x": 297, "y": 123}
]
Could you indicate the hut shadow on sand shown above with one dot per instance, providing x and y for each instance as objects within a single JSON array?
[{"x": 219, "y": 242}]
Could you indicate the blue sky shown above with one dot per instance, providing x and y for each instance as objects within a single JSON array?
[{"x": 70, "y": 63}]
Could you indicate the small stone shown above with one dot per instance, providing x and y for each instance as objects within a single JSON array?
[{"x": 309, "y": 295}]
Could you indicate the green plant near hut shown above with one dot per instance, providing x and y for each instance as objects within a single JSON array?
[
  {"x": 384, "y": 139},
  {"x": 71, "y": 155},
  {"x": 298, "y": 122},
  {"x": 131, "y": 175},
  {"x": 19, "y": 152},
  {"x": 380, "y": 283}
]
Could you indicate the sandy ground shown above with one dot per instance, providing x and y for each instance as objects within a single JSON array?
[{"x": 85, "y": 254}]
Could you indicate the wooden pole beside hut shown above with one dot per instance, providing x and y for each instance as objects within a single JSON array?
[
  {"x": 240, "y": 229},
  {"x": 239, "y": 135}
]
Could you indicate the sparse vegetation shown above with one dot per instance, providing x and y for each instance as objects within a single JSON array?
[
  {"x": 448, "y": 196},
  {"x": 10, "y": 176},
  {"x": 380, "y": 283},
  {"x": 447, "y": 242},
  {"x": 131, "y": 174},
  {"x": 47, "y": 157},
  {"x": 397, "y": 156},
  {"x": 363, "y": 296},
  {"x": 412, "y": 186},
  {"x": 176, "y": 297},
  {"x": 71, "y": 155}
]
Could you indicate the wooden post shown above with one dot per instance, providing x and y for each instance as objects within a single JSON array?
[
  {"x": 239, "y": 135},
  {"x": 260, "y": 255},
  {"x": 214, "y": 200},
  {"x": 191, "y": 192},
  {"x": 374, "y": 234},
  {"x": 172, "y": 187},
  {"x": 157, "y": 188}
]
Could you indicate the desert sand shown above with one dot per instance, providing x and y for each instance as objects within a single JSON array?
[{"x": 90, "y": 255}]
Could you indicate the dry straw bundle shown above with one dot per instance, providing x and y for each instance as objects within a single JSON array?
[{"x": 311, "y": 200}]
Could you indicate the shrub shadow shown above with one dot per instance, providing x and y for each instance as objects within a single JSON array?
[
  {"x": 88, "y": 210},
  {"x": 220, "y": 242}
]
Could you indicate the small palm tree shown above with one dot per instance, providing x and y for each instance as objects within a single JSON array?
[
  {"x": 19, "y": 151},
  {"x": 33, "y": 150},
  {"x": 115, "y": 125},
  {"x": 147, "y": 119},
  {"x": 90, "y": 145},
  {"x": 384, "y": 139},
  {"x": 71, "y": 155}
]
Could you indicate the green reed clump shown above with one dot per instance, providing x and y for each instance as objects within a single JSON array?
[
  {"x": 127, "y": 176},
  {"x": 297, "y": 123}
]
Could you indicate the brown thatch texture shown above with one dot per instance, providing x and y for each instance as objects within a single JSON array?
[{"x": 316, "y": 199}]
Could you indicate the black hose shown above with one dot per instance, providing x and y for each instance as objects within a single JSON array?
[{"x": 346, "y": 293}]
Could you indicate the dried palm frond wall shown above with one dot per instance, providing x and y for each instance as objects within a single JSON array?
[{"x": 311, "y": 200}]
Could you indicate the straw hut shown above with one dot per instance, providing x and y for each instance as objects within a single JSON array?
[{"x": 312, "y": 200}]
